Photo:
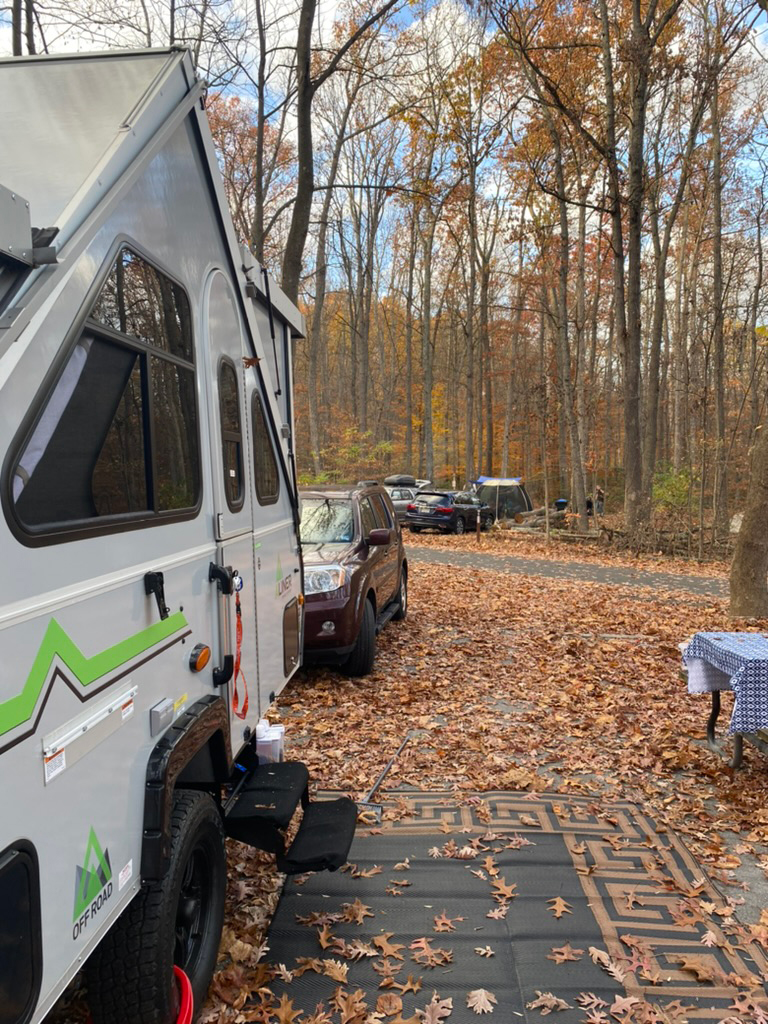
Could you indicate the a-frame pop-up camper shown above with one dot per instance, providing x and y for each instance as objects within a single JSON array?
[{"x": 151, "y": 592}]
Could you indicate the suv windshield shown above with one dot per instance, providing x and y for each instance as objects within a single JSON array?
[{"x": 325, "y": 521}]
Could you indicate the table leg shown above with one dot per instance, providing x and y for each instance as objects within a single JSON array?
[
  {"x": 712, "y": 720},
  {"x": 738, "y": 739},
  {"x": 738, "y": 750}
]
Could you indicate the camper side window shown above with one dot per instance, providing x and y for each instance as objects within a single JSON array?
[
  {"x": 266, "y": 475},
  {"x": 231, "y": 436},
  {"x": 117, "y": 439}
]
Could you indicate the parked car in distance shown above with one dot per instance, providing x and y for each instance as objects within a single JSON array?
[
  {"x": 401, "y": 498},
  {"x": 355, "y": 574},
  {"x": 505, "y": 496},
  {"x": 447, "y": 511}
]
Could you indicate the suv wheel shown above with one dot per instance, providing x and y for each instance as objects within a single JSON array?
[
  {"x": 402, "y": 597},
  {"x": 360, "y": 661},
  {"x": 459, "y": 527}
]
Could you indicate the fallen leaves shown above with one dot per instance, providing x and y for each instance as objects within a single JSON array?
[
  {"x": 559, "y": 907},
  {"x": 481, "y": 1001},
  {"x": 561, "y": 954},
  {"x": 546, "y": 1003}
]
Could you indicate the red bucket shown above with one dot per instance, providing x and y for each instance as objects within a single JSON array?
[{"x": 187, "y": 1007}]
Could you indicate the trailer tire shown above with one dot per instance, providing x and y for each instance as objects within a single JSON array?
[
  {"x": 360, "y": 661},
  {"x": 177, "y": 920}
]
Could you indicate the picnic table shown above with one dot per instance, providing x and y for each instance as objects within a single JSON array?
[{"x": 737, "y": 662}]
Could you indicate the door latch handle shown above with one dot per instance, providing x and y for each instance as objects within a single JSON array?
[
  {"x": 155, "y": 584},
  {"x": 223, "y": 576},
  {"x": 221, "y": 676}
]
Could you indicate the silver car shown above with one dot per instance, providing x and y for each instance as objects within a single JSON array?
[{"x": 401, "y": 497}]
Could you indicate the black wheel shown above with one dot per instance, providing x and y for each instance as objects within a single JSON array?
[
  {"x": 415, "y": 529},
  {"x": 402, "y": 597},
  {"x": 360, "y": 661},
  {"x": 459, "y": 527},
  {"x": 175, "y": 921}
]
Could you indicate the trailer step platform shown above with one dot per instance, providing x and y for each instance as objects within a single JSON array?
[
  {"x": 324, "y": 838},
  {"x": 271, "y": 793},
  {"x": 265, "y": 804}
]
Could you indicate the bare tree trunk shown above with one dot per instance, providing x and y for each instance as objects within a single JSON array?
[
  {"x": 718, "y": 340},
  {"x": 749, "y": 569},
  {"x": 17, "y": 9},
  {"x": 409, "y": 347}
]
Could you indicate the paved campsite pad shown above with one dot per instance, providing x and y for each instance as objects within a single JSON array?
[{"x": 616, "y": 873}]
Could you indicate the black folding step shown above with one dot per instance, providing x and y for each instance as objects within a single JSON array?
[
  {"x": 324, "y": 837},
  {"x": 266, "y": 802}
]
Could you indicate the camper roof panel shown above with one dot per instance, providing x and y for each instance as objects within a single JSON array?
[{"x": 59, "y": 117}]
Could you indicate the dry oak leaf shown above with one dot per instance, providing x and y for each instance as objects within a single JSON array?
[
  {"x": 697, "y": 965},
  {"x": 490, "y": 866},
  {"x": 443, "y": 923},
  {"x": 410, "y": 985},
  {"x": 320, "y": 1016},
  {"x": 387, "y": 968},
  {"x": 307, "y": 963},
  {"x": 498, "y": 913},
  {"x": 389, "y": 1004},
  {"x": 325, "y": 937},
  {"x": 436, "y": 1010},
  {"x": 435, "y": 851},
  {"x": 350, "y": 1005},
  {"x": 622, "y": 1005},
  {"x": 367, "y": 873},
  {"x": 485, "y": 951},
  {"x": 546, "y": 1003},
  {"x": 388, "y": 948},
  {"x": 559, "y": 907},
  {"x": 356, "y": 912},
  {"x": 404, "y": 865},
  {"x": 445, "y": 827},
  {"x": 590, "y": 1001},
  {"x": 480, "y": 1000},
  {"x": 560, "y": 954},
  {"x": 709, "y": 939},
  {"x": 502, "y": 891},
  {"x": 527, "y": 819},
  {"x": 285, "y": 1012},
  {"x": 336, "y": 970}
]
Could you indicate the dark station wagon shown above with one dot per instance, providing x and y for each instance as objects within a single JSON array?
[{"x": 355, "y": 574}]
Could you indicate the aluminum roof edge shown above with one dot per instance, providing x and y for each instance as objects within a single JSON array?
[{"x": 147, "y": 51}]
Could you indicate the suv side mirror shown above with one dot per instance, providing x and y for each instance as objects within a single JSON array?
[{"x": 379, "y": 537}]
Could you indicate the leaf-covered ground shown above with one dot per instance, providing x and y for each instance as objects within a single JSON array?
[
  {"x": 501, "y": 681},
  {"x": 506, "y": 681}
]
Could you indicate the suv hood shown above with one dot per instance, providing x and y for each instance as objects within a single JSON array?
[{"x": 323, "y": 554}]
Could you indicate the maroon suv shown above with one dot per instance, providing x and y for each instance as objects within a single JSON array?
[{"x": 355, "y": 574}]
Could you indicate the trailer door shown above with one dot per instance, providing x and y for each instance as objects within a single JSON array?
[{"x": 233, "y": 512}]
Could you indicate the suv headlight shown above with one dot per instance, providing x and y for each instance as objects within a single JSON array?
[{"x": 324, "y": 579}]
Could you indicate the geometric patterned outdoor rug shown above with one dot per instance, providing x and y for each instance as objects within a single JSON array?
[{"x": 506, "y": 900}]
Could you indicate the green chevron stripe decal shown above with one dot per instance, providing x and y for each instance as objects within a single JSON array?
[{"x": 56, "y": 643}]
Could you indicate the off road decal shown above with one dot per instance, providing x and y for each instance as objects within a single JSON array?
[
  {"x": 93, "y": 885},
  {"x": 75, "y": 667}
]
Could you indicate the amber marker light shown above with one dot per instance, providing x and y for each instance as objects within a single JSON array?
[
  {"x": 199, "y": 658},
  {"x": 301, "y": 596}
]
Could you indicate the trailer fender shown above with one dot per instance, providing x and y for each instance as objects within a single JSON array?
[{"x": 202, "y": 730}]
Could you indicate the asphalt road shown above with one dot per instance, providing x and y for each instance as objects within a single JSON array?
[{"x": 577, "y": 571}]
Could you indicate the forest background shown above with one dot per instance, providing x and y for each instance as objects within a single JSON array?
[{"x": 527, "y": 236}]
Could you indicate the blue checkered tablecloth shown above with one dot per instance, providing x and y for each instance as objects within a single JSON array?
[{"x": 740, "y": 661}]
